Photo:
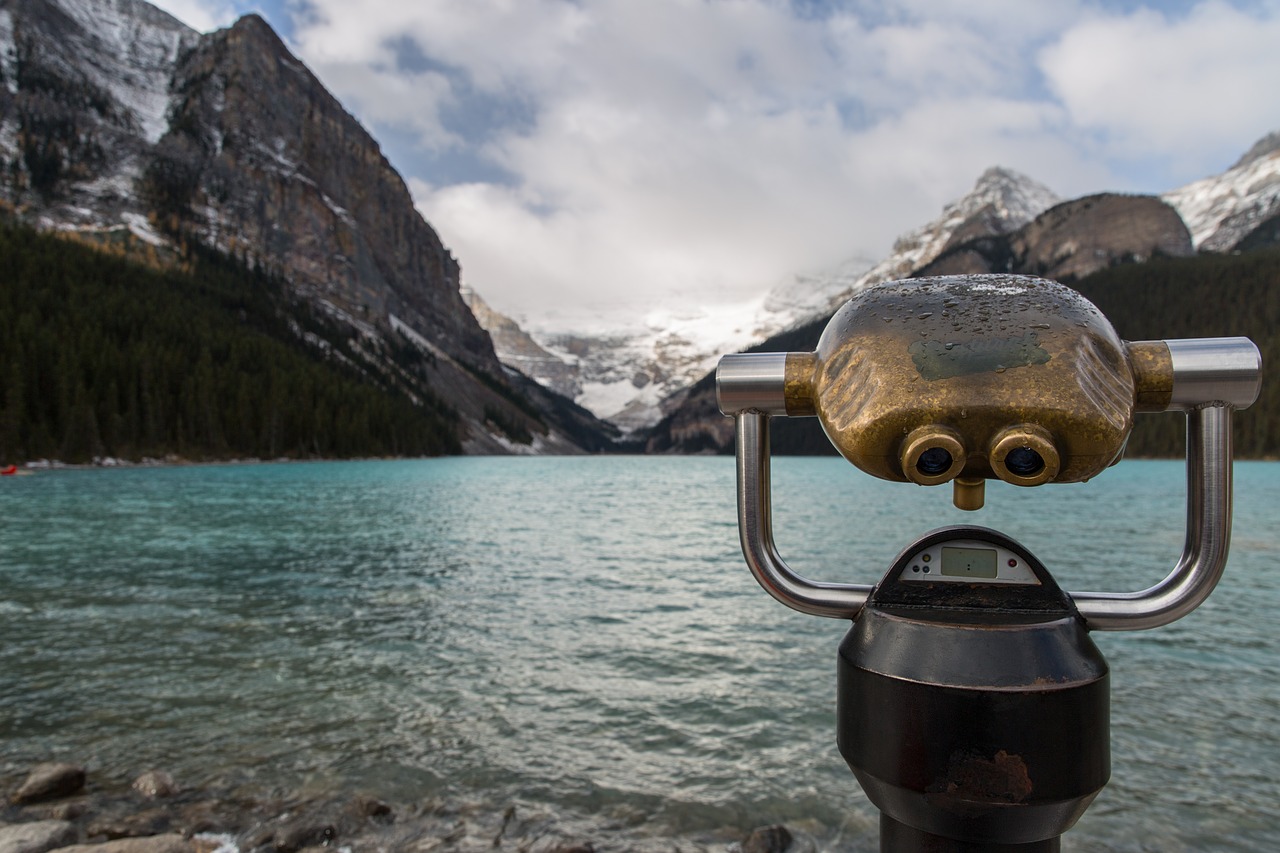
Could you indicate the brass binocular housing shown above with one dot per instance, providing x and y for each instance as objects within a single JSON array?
[{"x": 968, "y": 378}]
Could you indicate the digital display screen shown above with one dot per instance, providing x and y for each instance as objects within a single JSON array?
[{"x": 969, "y": 562}]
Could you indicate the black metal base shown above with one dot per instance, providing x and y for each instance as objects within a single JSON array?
[{"x": 899, "y": 838}]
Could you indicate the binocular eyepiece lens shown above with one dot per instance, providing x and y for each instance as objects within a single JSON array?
[
  {"x": 934, "y": 461},
  {"x": 931, "y": 455},
  {"x": 1024, "y": 462},
  {"x": 1025, "y": 455}
]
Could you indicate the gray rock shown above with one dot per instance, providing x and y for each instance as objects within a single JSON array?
[
  {"x": 50, "y": 782},
  {"x": 768, "y": 839},
  {"x": 154, "y": 844},
  {"x": 295, "y": 836},
  {"x": 155, "y": 784},
  {"x": 36, "y": 837},
  {"x": 140, "y": 825},
  {"x": 63, "y": 810},
  {"x": 365, "y": 806}
]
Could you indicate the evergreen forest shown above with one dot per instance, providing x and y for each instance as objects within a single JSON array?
[{"x": 105, "y": 357}]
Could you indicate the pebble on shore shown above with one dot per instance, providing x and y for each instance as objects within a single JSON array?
[
  {"x": 155, "y": 784},
  {"x": 50, "y": 781}
]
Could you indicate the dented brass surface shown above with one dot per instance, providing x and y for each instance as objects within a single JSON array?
[{"x": 977, "y": 358}]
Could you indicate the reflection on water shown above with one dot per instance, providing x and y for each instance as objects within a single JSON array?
[{"x": 581, "y": 633}]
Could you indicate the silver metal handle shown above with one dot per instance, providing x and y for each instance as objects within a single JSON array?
[
  {"x": 1211, "y": 378},
  {"x": 752, "y": 382},
  {"x": 755, "y": 529},
  {"x": 1214, "y": 370},
  {"x": 1208, "y": 538}
]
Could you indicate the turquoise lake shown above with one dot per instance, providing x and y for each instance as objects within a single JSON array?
[{"x": 582, "y": 634}]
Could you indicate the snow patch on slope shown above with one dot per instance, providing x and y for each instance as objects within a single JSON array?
[
  {"x": 1220, "y": 211},
  {"x": 625, "y": 373},
  {"x": 137, "y": 45}
]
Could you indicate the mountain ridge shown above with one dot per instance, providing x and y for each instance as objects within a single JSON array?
[
  {"x": 1074, "y": 242},
  {"x": 1237, "y": 208}
]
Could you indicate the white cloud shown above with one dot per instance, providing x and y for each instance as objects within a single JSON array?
[
  {"x": 391, "y": 98},
  {"x": 1191, "y": 89},
  {"x": 498, "y": 42},
  {"x": 202, "y": 15},
  {"x": 682, "y": 149}
]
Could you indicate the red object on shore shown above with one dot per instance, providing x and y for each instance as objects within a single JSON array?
[{"x": 8, "y": 472}]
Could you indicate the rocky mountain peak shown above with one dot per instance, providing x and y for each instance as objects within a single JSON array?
[
  {"x": 1016, "y": 198},
  {"x": 1238, "y": 207},
  {"x": 1074, "y": 239},
  {"x": 517, "y": 348},
  {"x": 1264, "y": 147},
  {"x": 258, "y": 154},
  {"x": 1001, "y": 201}
]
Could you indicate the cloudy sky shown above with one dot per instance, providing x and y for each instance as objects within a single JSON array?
[{"x": 597, "y": 159}]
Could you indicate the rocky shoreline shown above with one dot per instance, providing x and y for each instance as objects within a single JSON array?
[{"x": 58, "y": 807}]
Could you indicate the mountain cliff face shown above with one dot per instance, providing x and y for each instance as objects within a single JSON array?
[
  {"x": 1001, "y": 202},
  {"x": 85, "y": 97},
  {"x": 259, "y": 154},
  {"x": 516, "y": 348},
  {"x": 120, "y": 123}
]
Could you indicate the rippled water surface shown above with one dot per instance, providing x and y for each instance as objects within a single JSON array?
[{"x": 582, "y": 633}]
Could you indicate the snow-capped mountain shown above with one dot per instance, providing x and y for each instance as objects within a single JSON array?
[
  {"x": 1002, "y": 201},
  {"x": 633, "y": 376},
  {"x": 1223, "y": 210},
  {"x": 625, "y": 372}
]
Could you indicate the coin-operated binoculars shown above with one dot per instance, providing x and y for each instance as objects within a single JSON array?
[{"x": 972, "y": 706}]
